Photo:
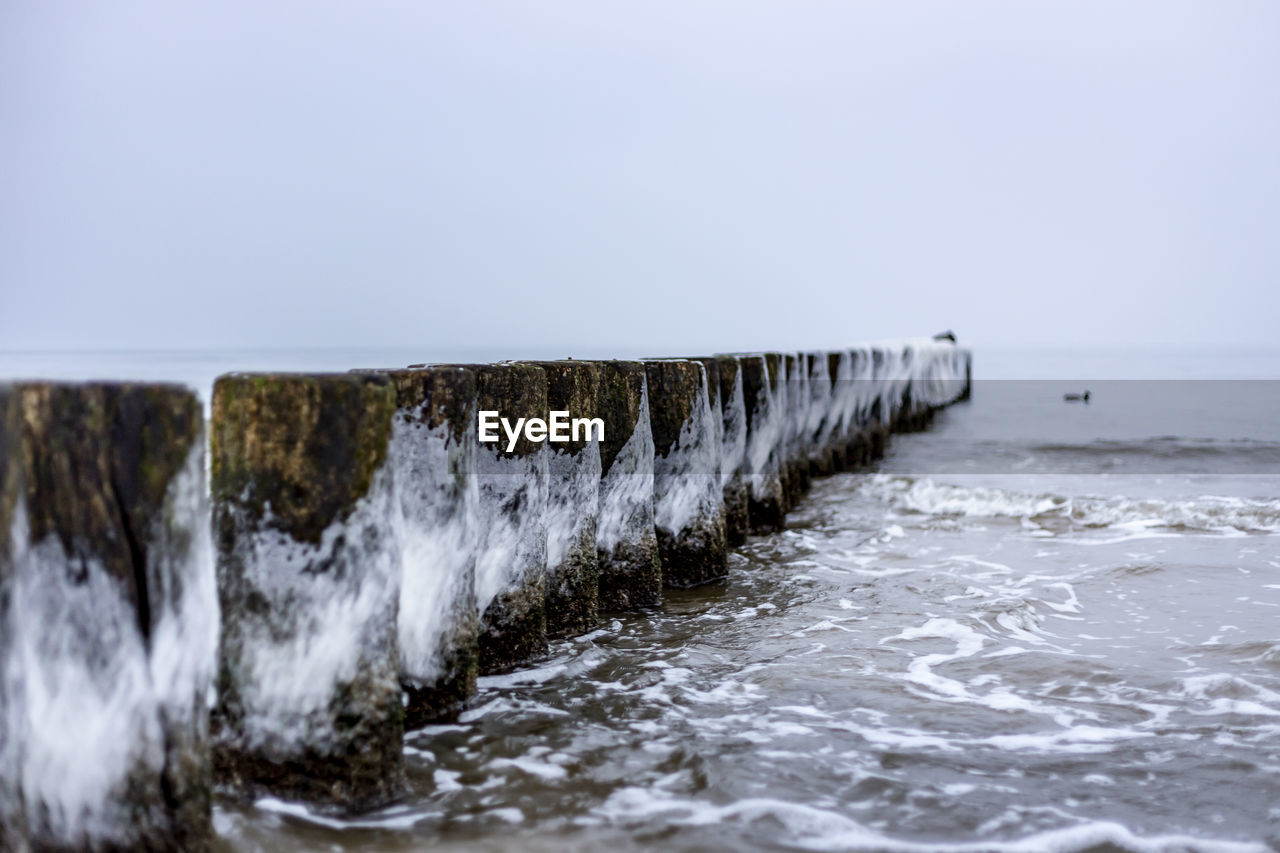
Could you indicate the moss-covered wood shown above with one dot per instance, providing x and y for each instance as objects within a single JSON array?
[
  {"x": 795, "y": 371},
  {"x": 299, "y": 527},
  {"x": 98, "y": 460},
  {"x": 777, "y": 366},
  {"x": 629, "y": 564},
  {"x": 307, "y": 445},
  {"x": 438, "y": 396},
  {"x": 821, "y": 462},
  {"x": 573, "y": 501},
  {"x": 723, "y": 373},
  {"x": 12, "y": 810},
  {"x": 434, "y": 426},
  {"x": 712, "y": 366},
  {"x": 766, "y": 504},
  {"x": 513, "y": 625},
  {"x": 365, "y": 775},
  {"x": 673, "y": 385},
  {"x": 94, "y": 466},
  {"x": 688, "y": 502},
  {"x": 574, "y": 387},
  {"x": 842, "y": 386},
  {"x": 736, "y": 512},
  {"x": 865, "y": 419},
  {"x": 13, "y": 822},
  {"x": 10, "y": 469},
  {"x": 514, "y": 390},
  {"x": 621, "y": 403},
  {"x": 734, "y": 430}
]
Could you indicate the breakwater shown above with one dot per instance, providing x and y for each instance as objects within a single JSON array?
[{"x": 370, "y": 557}]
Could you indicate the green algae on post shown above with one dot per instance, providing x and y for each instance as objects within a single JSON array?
[{"x": 309, "y": 701}]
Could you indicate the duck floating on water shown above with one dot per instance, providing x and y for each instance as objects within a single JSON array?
[{"x": 1071, "y": 398}]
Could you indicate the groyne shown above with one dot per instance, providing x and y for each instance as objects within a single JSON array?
[{"x": 361, "y": 553}]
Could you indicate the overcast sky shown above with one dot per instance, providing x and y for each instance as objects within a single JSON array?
[{"x": 664, "y": 175}]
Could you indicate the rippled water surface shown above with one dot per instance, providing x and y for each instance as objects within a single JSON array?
[{"x": 1017, "y": 633}]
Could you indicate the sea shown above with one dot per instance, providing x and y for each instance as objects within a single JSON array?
[{"x": 1041, "y": 625}]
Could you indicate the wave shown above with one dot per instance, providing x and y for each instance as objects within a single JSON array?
[
  {"x": 1210, "y": 514},
  {"x": 1166, "y": 446},
  {"x": 1159, "y": 454},
  {"x": 1166, "y": 452},
  {"x": 808, "y": 827}
]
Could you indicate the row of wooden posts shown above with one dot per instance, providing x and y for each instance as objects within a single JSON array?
[{"x": 364, "y": 557}]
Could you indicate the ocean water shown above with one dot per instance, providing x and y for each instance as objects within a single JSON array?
[{"x": 1040, "y": 625}]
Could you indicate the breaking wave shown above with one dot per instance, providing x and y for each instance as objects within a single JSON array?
[{"x": 1207, "y": 513}]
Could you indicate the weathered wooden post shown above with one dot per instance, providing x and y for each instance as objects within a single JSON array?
[
  {"x": 688, "y": 503},
  {"x": 821, "y": 462},
  {"x": 108, "y": 618},
  {"x": 627, "y": 545},
  {"x": 432, "y": 455},
  {"x": 766, "y": 502},
  {"x": 733, "y": 456},
  {"x": 880, "y": 412},
  {"x": 858, "y": 429},
  {"x": 777, "y": 371},
  {"x": 309, "y": 699},
  {"x": 13, "y": 811},
  {"x": 844, "y": 392},
  {"x": 797, "y": 382},
  {"x": 573, "y": 498},
  {"x": 511, "y": 567}
]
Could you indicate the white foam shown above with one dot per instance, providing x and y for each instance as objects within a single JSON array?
[
  {"x": 626, "y": 491},
  {"x": 733, "y": 454},
  {"x": 765, "y": 436},
  {"x": 1223, "y": 693},
  {"x": 1074, "y": 739},
  {"x": 819, "y": 386},
  {"x": 398, "y": 817},
  {"x": 798, "y": 403},
  {"x": 810, "y": 828},
  {"x": 512, "y": 516},
  {"x": 686, "y": 481},
  {"x": 843, "y": 403},
  {"x": 573, "y": 499},
  {"x": 322, "y": 622},
  {"x": 541, "y": 769},
  {"x": 1133, "y": 516},
  {"x": 438, "y": 499},
  {"x": 446, "y": 780},
  {"x": 920, "y": 670}
]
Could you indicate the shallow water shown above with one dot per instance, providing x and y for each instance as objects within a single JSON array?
[{"x": 1035, "y": 627}]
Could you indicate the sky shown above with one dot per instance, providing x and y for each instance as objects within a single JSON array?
[{"x": 677, "y": 176}]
